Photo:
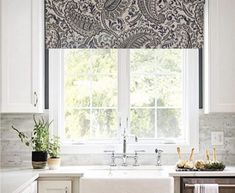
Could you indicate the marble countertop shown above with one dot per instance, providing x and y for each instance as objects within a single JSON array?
[{"x": 15, "y": 180}]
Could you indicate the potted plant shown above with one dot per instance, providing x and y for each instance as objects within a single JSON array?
[
  {"x": 39, "y": 142},
  {"x": 54, "y": 150}
]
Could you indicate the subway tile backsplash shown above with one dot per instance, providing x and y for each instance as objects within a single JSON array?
[{"x": 16, "y": 154}]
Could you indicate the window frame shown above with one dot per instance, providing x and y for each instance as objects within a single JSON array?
[{"x": 191, "y": 118}]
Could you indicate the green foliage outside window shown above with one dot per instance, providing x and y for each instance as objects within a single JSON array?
[{"x": 91, "y": 90}]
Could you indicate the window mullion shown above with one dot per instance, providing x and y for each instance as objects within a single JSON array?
[
  {"x": 123, "y": 89},
  {"x": 156, "y": 98},
  {"x": 90, "y": 94}
]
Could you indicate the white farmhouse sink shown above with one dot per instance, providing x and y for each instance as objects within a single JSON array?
[{"x": 126, "y": 180}]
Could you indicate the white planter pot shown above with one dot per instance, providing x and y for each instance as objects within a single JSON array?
[{"x": 53, "y": 163}]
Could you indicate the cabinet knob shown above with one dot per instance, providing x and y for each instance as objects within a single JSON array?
[
  {"x": 36, "y": 99},
  {"x": 66, "y": 189}
]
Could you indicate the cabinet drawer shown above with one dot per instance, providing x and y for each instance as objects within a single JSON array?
[
  {"x": 64, "y": 186},
  {"x": 187, "y": 184}
]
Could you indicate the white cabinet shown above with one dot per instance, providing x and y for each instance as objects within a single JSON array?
[
  {"x": 22, "y": 56},
  {"x": 31, "y": 188},
  {"x": 219, "y": 57},
  {"x": 55, "y": 186}
]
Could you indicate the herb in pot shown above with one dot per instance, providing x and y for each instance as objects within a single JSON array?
[
  {"x": 39, "y": 141},
  {"x": 54, "y": 151}
]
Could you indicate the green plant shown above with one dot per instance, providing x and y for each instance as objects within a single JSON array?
[
  {"x": 54, "y": 147},
  {"x": 40, "y": 135},
  {"x": 215, "y": 165}
]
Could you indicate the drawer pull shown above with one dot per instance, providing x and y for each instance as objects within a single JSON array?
[{"x": 220, "y": 185}]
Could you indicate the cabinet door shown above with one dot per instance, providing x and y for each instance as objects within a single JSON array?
[
  {"x": 54, "y": 187},
  {"x": 22, "y": 56},
  {"x": 219, "y": 56},
  {"x": 34, "y": 187}
]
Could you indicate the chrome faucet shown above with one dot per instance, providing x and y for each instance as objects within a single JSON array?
[
  {"x": 159, "y": 157},
  {"x": 124, "y": 148},
  {"x": 124, "y": 144},
  {"x": 124, "y": 155},
  {"x": 112, "y": 157}
]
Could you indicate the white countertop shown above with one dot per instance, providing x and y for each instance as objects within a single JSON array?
[
  {"x": 12, "y": 182},
  {"x": 15, "y": 180},
  {"x": 229, "y": 171}
]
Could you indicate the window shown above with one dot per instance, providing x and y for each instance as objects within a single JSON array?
[
  {"x": 156, "y": 93},
  {"x": 90, "y": 90},
  {"x": 152, "y": 93}
]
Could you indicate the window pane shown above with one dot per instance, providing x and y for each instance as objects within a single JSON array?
[
  {"x": 169, "y": 123},
  {"x": 169, "y": 60},
  {"x": 104, "y": 61},
  {"x": 76, "y": 61},
  {"x": 77, "y": 91},
  {"x": 77, "y": 123},
  {"x": 90, "y": 89},
  {"x": 142, "y": 60},
  {"x": 142, "y": 90},
  {"x": 104, "y": 123},
  {"x": 104, "y": 91},
  {"x": 169, "y": 90},
  {"x": 156, "y": 81},
  {"x": 142, "y": 123}
]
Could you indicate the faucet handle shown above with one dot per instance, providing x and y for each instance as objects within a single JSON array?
[
  {"x": 112, "y": 157},
  {"x": 136, "y": 157},
  {"x": 159, "y": 151}
]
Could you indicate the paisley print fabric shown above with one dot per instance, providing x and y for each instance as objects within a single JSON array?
[{"x": 124, "y": 23}]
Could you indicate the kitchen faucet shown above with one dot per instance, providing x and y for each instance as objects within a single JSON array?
[
  {"x": 124, "y": 155},
  {"x": 124, "y": 147}
]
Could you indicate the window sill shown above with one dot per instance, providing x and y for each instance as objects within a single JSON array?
[{"x": 149, "y": 148}]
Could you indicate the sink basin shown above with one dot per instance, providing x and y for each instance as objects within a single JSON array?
[{"x": 126, "y": 180}]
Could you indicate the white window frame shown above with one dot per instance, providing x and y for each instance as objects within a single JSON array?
[{"x": 191, "y": 108}]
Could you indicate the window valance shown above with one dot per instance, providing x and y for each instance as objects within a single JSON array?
[{"x": 124, "y": 23}]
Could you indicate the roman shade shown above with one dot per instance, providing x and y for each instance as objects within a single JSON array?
[{"x": 124, "y": 23}]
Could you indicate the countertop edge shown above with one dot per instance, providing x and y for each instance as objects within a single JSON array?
[
  {"x": 27, "y": 183},
  {"x": 40, "y": 174},
  {"x": 67, "y": 174},
  {"x": 229, "y": 172}
]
